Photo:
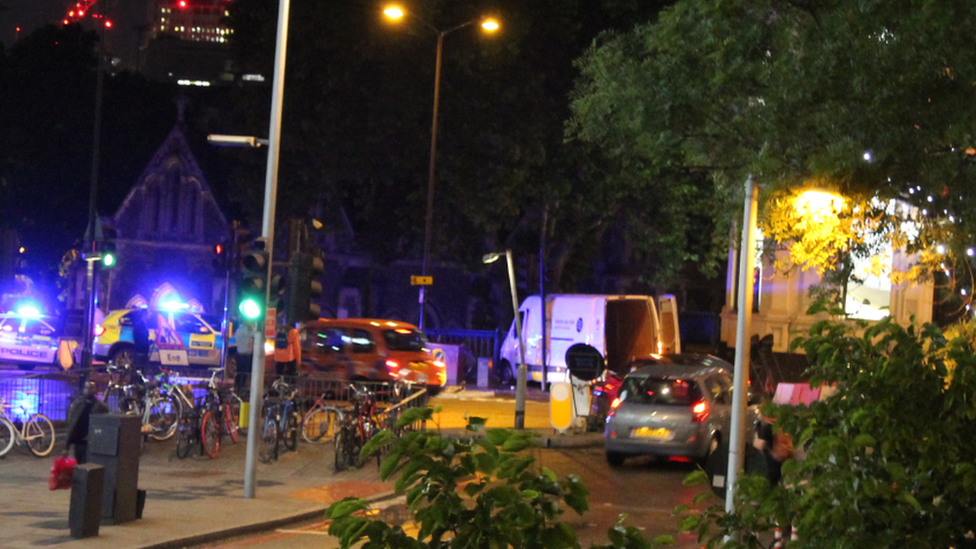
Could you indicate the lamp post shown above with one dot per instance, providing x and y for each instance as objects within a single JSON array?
[
  {"x": 521, "y": 378},
  {"x": 488, "y": 25},
  {"x": 267, "y": 233},
  {"x": 740, "y": 379}
]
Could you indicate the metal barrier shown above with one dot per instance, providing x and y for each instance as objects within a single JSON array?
[
  {"x": 340, "y": 392},
  {"x": 49, "y": 393},
  {"x": 481, "y": 343}
]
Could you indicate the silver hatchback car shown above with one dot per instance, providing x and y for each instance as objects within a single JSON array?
[{"x": 672, "y": 409}]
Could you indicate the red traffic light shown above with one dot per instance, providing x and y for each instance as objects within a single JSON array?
[{"x": 219, "y": 249}]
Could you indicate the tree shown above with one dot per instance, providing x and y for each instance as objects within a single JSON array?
[
  {"x": 513, "y": 503},
  {"x": 888, "y": 460},
  {"x": 357, "y": 113},
  {"x": 872, "y": 98}
]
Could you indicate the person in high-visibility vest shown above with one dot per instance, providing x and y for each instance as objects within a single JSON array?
[{"x": 288, "y": 352}]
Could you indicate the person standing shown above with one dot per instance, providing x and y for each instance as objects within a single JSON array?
[
  {"x": 140, "y": 340},
  {"x": 288, "y": 352},
  {"x": 244, "y": 340},
  {"x": 79, "y": 417}
]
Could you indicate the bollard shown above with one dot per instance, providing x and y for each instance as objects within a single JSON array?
[
  {"x": 793, "y": 535},
  {"x": 85, "y": 512},
  {"x": 778, "y": 538}
]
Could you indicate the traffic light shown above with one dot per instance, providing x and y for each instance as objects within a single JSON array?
[
  {"x": 221, "y": 257},
  {"x": 109, "y": 259},
  {"x": 303, "y": 288},
  {"x": 253, "y": 288}
]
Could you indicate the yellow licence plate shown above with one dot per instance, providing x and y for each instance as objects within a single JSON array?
[{"x": 647, "y": 432}]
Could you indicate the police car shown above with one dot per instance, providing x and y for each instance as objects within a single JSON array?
[
  {"x": 28, "y": 339},
  {"x": 170, "y": 332}
]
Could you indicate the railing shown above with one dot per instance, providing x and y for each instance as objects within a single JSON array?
[
  {"x": 481, "y": 343},
  {"x": 47, "y": 393},
  {"x": 50, "y": 393}
]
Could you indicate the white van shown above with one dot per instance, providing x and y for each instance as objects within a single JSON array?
[{"x": 619, "y": 327}]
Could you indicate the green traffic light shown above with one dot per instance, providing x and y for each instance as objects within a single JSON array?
[
  {"x": 250, "y": 309},
  {"x": 108, "y": 260}
]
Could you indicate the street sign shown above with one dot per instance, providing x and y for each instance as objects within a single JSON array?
[
  {"x": 269, "y": 322},
  {"x": 421, "y": 280},
  {"x": 584, "y": 361}
]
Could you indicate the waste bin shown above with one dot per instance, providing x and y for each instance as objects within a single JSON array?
[{"x": 113, "y": 443}]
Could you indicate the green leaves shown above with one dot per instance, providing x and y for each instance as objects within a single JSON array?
[
  {"x": 484, "y": 492},
  {"x": 885, "y": 462}
]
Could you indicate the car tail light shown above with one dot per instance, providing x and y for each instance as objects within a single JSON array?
[
  {"x": 393, "y": 367},
  {"x": 613, "y": 408},
  {"x": 699, "y": 411},
  {"x": 99, "y": 330}
]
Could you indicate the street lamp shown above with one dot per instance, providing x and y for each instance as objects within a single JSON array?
[
  {"x": 395, "y": 13},
  {"x": 521, "y": 378}
]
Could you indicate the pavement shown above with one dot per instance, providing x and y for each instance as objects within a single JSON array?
[{"x": 198, "y": 499}]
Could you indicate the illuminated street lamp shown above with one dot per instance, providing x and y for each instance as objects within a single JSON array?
[
  {"x": 489, "y": 25},
  {"x": 521, "y": 378}
]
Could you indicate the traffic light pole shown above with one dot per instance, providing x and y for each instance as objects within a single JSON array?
[{"x": 267, "y": 232}]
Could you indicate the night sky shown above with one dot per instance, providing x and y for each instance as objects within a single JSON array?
[{"x": 31, "y": 14}]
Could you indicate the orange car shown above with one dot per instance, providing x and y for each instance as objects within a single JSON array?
[{"x": 369, "y": 349}]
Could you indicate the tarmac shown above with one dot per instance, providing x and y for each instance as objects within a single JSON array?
[{"x": 198, "y": 499}]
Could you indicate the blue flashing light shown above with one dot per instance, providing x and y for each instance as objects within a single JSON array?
[
  {"x": 28, "y": 309},
  {"x": 173, "y": 306}
]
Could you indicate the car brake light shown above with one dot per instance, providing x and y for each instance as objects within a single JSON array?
[
  {"x": 99, "y": 330},
  {"x": 699, "y": 411},
  {"x": 614, "y": 404}
]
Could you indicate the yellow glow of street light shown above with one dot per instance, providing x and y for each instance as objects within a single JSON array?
[
  {"x": 393, "y": 12},
  {"x": 818, "y": 203},
  {"x": 490, "y": 25}
]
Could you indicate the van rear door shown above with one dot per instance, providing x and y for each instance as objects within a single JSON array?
[{"x": 670, "y": 337}]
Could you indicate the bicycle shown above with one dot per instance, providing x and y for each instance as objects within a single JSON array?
[
  {"x": 321, "y": 422},
  {"x": 281, "y": 422},
  {"x": 355, "y": 429},
  {"x": 221, "y": 416},
  {"x": 37, "y": 432},
  {"x": 146, "y": 398}
]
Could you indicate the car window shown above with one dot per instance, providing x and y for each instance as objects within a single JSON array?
[
  {"x": 362, "y": 341},
  {"x": 34, "y": 327},
  {"x": 717, "y": 389},
  {"x": 659, "y": 390},
  {"x": 187, "y": 323},
  {"x": 404, "y": 339},
  {"x": 10, "y": 325},
  {"x": 328, "y": 340},
  {"x": 151, "y": 318}
]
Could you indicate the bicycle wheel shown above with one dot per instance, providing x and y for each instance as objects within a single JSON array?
[
  {"x": 210, "y": 435},
  {"x": 114, "y": 398},
  {"x": 355, "y": 448},
  {"x": 290, "y": 431},
  {"x": 321, "y": 424},
  {"x": 39, "y": 433},
  {"x": 7, "y": 437},
  {"x": 184, "y": 437},
  {"x": 163, "y": 415},
  {"x": 231, "y": 420},
  {"x": 342, "y": 440},
  {"x": 268, "y": 445}
]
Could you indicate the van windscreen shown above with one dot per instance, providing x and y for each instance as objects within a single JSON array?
[
  {"x": 403, "y": 339},
  {"x": 659, "y": 390}
]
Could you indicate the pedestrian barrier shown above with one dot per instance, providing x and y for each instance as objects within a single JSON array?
[{"x": 48, "y": 393}]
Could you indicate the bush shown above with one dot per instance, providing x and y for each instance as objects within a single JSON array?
[
  {"x": 510, "y": 502},
  {"x": 889, "y": 460}
]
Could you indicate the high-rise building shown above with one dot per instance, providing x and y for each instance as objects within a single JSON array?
[
  {"x": 191, "y": 20},
  {"x": 187, "y": 42}
]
